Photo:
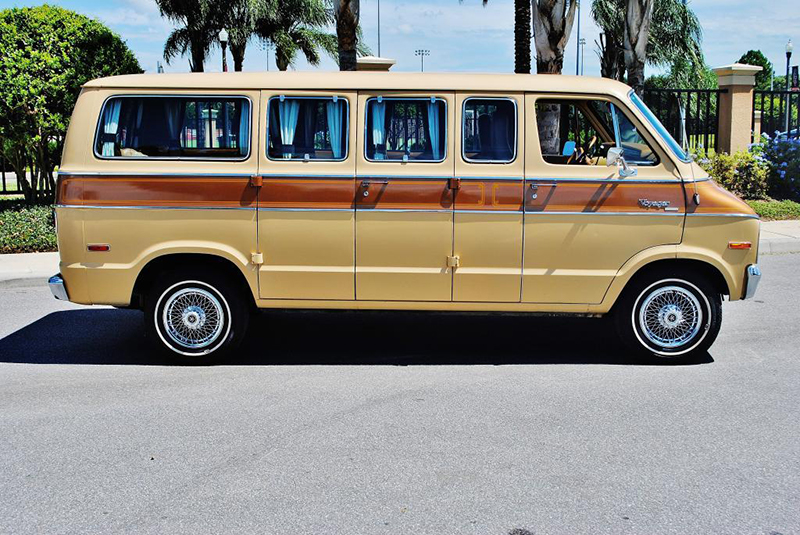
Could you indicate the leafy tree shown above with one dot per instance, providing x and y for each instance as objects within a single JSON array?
[
  {"x": 196, "y": 32},
  {"x": 683, "y": 74},
  {"x": 46, "y": 54},
  {"x": 756, "y": 57}
]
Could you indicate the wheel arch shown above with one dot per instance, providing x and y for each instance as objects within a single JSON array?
[{"x": 149, "y": 273}]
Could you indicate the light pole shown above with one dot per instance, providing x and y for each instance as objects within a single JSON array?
[
  {"x": 422, "y": 53},
  {"x": 582, "y": 42},
  {"x": 223, "y": 40},
  {"x": 789, "y": 48},
  {"x": 578, "y": 48},
  {"x": 266, "y": 46},
  {"x": 379, "y": 28}
]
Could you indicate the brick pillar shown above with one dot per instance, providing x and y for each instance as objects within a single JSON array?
[{"x": 736, "y": 106}]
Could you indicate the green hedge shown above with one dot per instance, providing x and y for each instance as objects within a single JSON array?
[
  {"x": 26, "y": 229},
  {"x": 776, "y": 209}
]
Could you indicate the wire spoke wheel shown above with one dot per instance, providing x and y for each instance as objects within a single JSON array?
[
  {"x": 670, "y": 317},
  {"x": 193, "y": 318}
]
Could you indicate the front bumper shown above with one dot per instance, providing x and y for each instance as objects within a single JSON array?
[
  {"x": 751, "y": 279},
  {"x": 56, "y": 284}
]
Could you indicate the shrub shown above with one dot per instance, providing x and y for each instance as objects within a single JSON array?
[
  {"x": 25, "y": 229},
  {"x": 784, "y": 168},
  {"x": 776, "y": 209},
  {"x": 743, "y": 173}
]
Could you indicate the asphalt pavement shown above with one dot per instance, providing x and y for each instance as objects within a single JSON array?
[{"x": 372, "y": 423}]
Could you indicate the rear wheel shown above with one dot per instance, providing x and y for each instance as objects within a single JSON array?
[
  {"x": 669, "y": 318},
  {"x": 197, "y": 317}
]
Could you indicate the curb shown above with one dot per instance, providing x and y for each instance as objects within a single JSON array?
[{"x": 778, "y": 246}]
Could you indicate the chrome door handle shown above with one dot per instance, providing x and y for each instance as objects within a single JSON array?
[
  {"x": 535, "y": 189},
  {"x": 366, "y": 183}
]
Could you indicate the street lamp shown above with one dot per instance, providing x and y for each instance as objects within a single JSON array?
[
  {"x": 789, "y": 48},
  {"x": 223, "y": 40},
  {"x": 578, "y": 48},
  {"x": 266, "y": 46},
  {"x": 422, "y": 53}
]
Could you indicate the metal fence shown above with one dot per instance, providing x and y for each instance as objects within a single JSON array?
[
  {"x": 779, "y": 113},
  {"x": 690, "y": 115}
]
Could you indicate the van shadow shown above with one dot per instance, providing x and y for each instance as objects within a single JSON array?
[{"x": 109, "y": 336}]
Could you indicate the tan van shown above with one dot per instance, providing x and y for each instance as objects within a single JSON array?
[{"x": 200, "y": 198}]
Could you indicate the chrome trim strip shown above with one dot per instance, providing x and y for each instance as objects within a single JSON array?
[
  {"x": 56, "y": 284},
  {"x": 273, "y": 209},
  {"x": 606, "y": 180},
  {"x": 745, "y": 216},
  {"x": 127, "y": 207},
  {"x": 307, "y": 97},
  {"x": 491, "y": 178},
  {"x": 672, "y": 214},
  {"x": 464, "y": 126},
  {"x": 403, "y": 177},
  {"x": 196, "y": 96},
  {"x": 306, "y": 175},
  {"x": 403, "y": 210},
  {"x": 113, "y": 174},
  {"x": 510, "y": 212}
]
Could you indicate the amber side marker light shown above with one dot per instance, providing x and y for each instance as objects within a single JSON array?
[
  {"x": 99, "y": 247},
  {"x": 739, "y": 245}
]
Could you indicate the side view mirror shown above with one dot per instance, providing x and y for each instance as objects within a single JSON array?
[{"x": 615, "y": 158}]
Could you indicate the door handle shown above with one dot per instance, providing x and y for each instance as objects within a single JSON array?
[
  {"x": 535, "y": 189},
  {"x": 366, "y": 183}
]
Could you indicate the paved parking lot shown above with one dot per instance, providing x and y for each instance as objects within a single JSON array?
[{"x": 399, "y": 423}]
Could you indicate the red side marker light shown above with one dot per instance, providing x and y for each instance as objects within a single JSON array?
[
  {"x": 739, "y": 245},
  {"x": 98, "y": 247}
]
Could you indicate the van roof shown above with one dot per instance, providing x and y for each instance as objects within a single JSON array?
[{"x": 388, "y": 81}]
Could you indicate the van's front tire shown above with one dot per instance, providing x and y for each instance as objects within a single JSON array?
[
  {"x": 195, "y": 318},
  {"x": 669, "y": 318}
]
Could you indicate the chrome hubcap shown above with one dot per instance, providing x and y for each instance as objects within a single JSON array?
[
  {"x": 193, "y": 318},
  {"x": 670, "y": 316}
]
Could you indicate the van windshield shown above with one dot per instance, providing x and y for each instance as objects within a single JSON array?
[{"x": 655, "y": 123}]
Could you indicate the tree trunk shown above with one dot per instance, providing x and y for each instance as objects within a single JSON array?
[
  {"x": 638, "y": 15},
  {"x": 548, "y": 121},
  {"x": 238, "y": 56},
  {"x": 198, "y": 58},
  {"x": 522, "y": 36},
  {"x": 347, "y": 13},
  {"x": 281, "y": 62}
]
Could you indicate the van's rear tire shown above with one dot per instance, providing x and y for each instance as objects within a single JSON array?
[
  {"x": 669, "y": 318},
  {"x": 195, "y": 317}
]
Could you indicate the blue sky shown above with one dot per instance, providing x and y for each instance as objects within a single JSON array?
[{"x": 465, "y": 36}]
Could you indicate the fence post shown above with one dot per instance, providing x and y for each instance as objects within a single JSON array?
[{"x": 736, "y": 105}]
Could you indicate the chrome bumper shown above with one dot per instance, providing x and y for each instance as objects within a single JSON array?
[
  {"x": 56, "y": 284},
  {"x": 751, "y": 280}
]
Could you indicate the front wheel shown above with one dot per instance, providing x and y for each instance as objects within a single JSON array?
[
  {"x": 196, "y": 317},
  {"x": 669, "y": 318}
]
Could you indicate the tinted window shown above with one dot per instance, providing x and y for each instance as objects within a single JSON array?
[
  {"x": 191, "y": 127},
  {"x": 489, "y": 130},
  {"x": 580, "y": 132},
  {"x": 307, "y": 128},
  {"x": 406, "y": 129}
]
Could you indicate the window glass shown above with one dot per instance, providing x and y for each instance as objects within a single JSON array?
[
  {"x": 580, "y": 132},
  {"x": 307, "y": 128},
  {"x": 489, "y": 130},
  {"x": 406, "y": 129},
  {"x": 665, "y": 135},
  {"x": 189, "y": 127}
]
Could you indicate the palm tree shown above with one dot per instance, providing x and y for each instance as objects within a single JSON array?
[
  {"x": 552, "y": 24},
  {"x": 638, "y": 15},
  {"x": 238, "y": 18},
  {"x": 675, "y": 35},
  {"x": 294, "y": 26},
  {"x": 522, "y": 36},
  {"x": 346, "y": 14},
  {"x": 195, "y": 33}
]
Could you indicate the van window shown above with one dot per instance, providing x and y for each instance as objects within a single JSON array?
[
  {"x": 580, "y": 132},
  {"x": 413, "y": 129},
  {"x": 489, "y": 130},
  {"x": 174, "y": 127},
  {"x": 307, "y": 128}
]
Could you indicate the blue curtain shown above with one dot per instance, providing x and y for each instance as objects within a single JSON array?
[
  {"x": 111, "y": 125},
  {"x": 379, "y": 129},
  {"x": 334, "y": 109},
  {"x": 433, "y": 130},
  {"x": 288, "y": 111},
  {"x": 244, "y": 128}
]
